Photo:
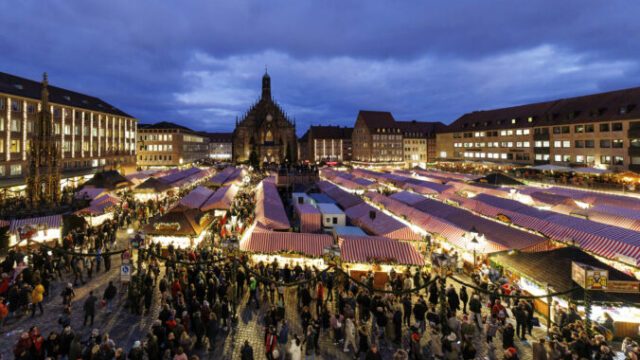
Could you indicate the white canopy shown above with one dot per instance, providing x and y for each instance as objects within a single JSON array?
[
  {"x": 592, "y": 170},
  {"x": 551, "y": 167}
]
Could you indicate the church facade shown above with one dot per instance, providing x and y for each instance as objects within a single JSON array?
[{"x": 266, "y": 131}]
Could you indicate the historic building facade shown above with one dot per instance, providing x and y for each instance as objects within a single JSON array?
[
  {"x": 266, "y": 131},
  {"x": 220, "y": 146},
  {"x": 419, "y": 140},
  {"x": 169, "y": 144},
  {"x": 89, "y": 133},
  {"x": 326, "y": 143},
  {"x": 599, "y": 130},
  {"x": 377, "y": 140}
]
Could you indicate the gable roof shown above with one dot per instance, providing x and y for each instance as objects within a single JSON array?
[
  {"x": 606, "y": 106},
  {"x": 218, "y": 137},
  {"x": 19, "y": 86},
  {"x": 330, "y": 132},
  {"x": 377, "y": 119},
  {"x": 163, "y": 125},
  {"x": 427, "y": 128}
]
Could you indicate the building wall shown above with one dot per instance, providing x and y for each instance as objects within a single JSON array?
[
  {"x": 170, "y": 147},
  {"x": 415, "y": 152},
  {"x": 220, "y": 150},
  {"x": 576, "y": 145},
  {"x": 328, "y": 150},
  {"x": 87, "y": 139},
  {"x": 383, "y": 146},
  {"x": 361, "y": 139}
]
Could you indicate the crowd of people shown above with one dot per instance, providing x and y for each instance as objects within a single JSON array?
[{"x": 204, "y": 295}]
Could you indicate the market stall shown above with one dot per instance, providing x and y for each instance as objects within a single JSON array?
[
  {"x": 533, "y": 271},
  {"x": 100, "y": 209},
  {"x": 220, "y": 201},
  {"x": 182, "y": 227},
  {"x": 45, "y": 229},
  {"x": 291, "y": 248},
  {"x": 309, "y": 218},
  {"x": 196, "y": 198},
  {"x": 363, "y": 254},
  {"x": 269, "y": 210}
]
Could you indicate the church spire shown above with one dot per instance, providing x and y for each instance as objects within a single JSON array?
[
  {"x": 45, "y": 92},
  {"x": 266, "y": 85}
]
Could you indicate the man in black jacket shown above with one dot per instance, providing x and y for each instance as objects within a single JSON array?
[
  {"x": 108, "y": 296},
  {"x": 89, "y": 308},
  {"x": 475, "y": 306}
]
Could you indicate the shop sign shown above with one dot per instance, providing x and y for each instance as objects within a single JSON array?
[
  {"x": 331, "y": 256},
  {"x": 623, "y": 286},
  {"x": 588, "y": 277}
]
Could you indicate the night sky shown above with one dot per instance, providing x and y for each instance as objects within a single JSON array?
[{"x": 199, "y": 63}]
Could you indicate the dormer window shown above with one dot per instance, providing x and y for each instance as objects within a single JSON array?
[
  {"x": 67, "y": 97},
  {"x": 465, "y": 125},
  {"x": 530, "y": 119},
  {"x": 85, "y": 102},
  {"x": 18, "y": 86},
  {"x": 514, "y": 120},
  {"x": 500, "y": 122},
  {"x": 623, "y": 110}
]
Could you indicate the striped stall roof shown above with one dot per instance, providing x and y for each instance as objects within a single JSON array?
[
  {"x": 273, "y": 242},
  {"x": 49, "y": 222},
  {"x": 221, "y": 199},
  {"x": 196, "y": 197},
  {"x": 269, "y": 208},
  {"x": 362, "y": 249}
]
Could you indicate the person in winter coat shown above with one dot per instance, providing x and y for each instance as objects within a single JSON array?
[
  {"x": 310, "y": 342},
  {"x": 453, "y": 299},
  {"x": 452, "y": 347},
  {"x": 246, "y": 353},
  {"x": 295, "y": 350},
  {"x": 464, "y": 297},
  {"x": 373, "y": 354},
  {"x": 363, "y": 343},
  {"x": 212, "y": 329},
  {"x": 521, "y": 315},
  {"x": 492, "y": 327},
  {"x": 350, "y": 335},
  {"x": 415, "y": 351},
  {"x": 475, "y": 307},
  {"x": 75, "y": 349},
  {"x": 507, "y": 336},
  {"x": 22, "y": 348},
  {"x": 109, "y": 294},
  {"x": 36, "y": 299}
]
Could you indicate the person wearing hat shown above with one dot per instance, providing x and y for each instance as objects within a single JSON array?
[
  {"x": 511, "y": 353},
  {"x": 451, "y": 347}
]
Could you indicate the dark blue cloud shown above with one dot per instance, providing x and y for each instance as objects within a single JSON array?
[{"x": 199, "y": 63}]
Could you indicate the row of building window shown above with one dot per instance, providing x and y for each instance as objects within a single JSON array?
[
  {"x": 579, "y": 144},
  {"x": 156, "y": 158},
  {"x": 160, "y": 147},
  {"x": 156, "y": 137},
  {"x": 15, "y": 126},
  {"x": 566, "y": 129},
  {"x": 387, "y": 137}
]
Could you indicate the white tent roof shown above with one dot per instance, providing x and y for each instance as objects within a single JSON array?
[
  {"x": 592, "y": 170},
  {"x": 551, "y": 167}
]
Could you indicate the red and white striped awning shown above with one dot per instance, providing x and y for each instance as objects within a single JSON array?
[
  {"x": 360, "y": 249},
  {"x": 274, "y": 242},
  {"x": 47, "y": 222}
]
